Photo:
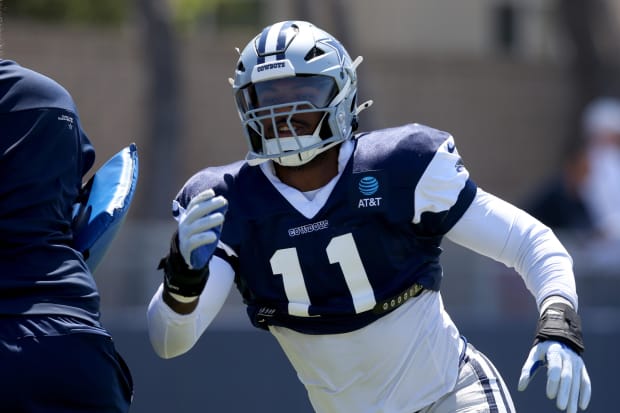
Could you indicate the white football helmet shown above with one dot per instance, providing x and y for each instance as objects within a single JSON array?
[{"x": 296, "y": 90}]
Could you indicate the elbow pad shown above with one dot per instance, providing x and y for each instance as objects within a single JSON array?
[{"x": 560, "y": 322}]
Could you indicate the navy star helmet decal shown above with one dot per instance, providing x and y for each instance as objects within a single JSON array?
[{"x": 337, "y": 47}]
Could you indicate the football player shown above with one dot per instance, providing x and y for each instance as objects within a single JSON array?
[
  {"x": 55, "y": 355},
  {"x": 333, "y": 240}
]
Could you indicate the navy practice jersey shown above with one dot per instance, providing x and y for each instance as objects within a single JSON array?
[
  {"x": 44, "y": 156},
  {"x": 332, "y": 272}
]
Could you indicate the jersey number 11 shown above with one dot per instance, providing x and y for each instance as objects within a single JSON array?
[{"x": 340, "y": 250}]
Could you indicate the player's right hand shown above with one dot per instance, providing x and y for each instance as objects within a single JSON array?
[
  {"x": 568, "y": 381},
  {"x": 200, "y": 226}
]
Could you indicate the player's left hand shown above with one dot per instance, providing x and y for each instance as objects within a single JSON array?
[
  {"x": 200, "y": 227},
  {"x": 568, "y": 381}
]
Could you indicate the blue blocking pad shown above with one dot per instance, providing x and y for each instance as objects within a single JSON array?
[{"x": 103, "y": 205}]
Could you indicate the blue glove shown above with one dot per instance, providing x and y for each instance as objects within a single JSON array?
[
  {"x": 200, "y": 226},
  {"x": 567, "y": 378}
]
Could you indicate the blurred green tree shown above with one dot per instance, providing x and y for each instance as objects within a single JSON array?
[
  {"x": 190, "y": 14},
  {"x": 107, "y": 12},
  {"x": 186, "y": 14}
]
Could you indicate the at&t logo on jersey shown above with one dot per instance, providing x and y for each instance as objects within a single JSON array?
[{"x": 368, "y": 186}]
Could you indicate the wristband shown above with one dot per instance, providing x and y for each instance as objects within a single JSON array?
[
  {"x": 560, "y": 322},
  {"x": 178, "y": 277}
]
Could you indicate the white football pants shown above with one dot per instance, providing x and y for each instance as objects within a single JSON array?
[{"x": 479, "y": 388}]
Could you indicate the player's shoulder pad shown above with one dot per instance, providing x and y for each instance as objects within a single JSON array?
[
  {"x": 103, "y": 205},
  {"x": 219, "y": 178},
  {"x": 403, "y": 145}
]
